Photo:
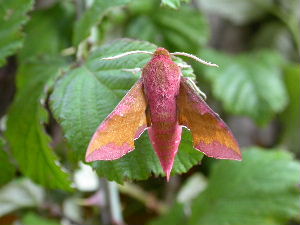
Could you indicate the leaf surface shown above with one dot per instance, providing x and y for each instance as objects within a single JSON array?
[
  {"x": 261, "y": 189},
  {"x": 248, "y": 84}
]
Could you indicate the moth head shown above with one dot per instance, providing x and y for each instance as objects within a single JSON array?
[{"x": 161, "y": 51}]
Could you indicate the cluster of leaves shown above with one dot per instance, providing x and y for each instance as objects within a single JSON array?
[
  {"x": 246, "y": 187},
  {"x": 79, "y": 91},
  {"x": 13, "y": 16}
]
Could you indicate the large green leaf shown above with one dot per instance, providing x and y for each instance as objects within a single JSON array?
[
  {"x": 25, "y": 132},
  {"x": 248, "y": 84},
  {"x": 184, "y": 30},
  {"x": 86, "y": 95},
  {"x": 261, "y": 189},
  {"x": 92, "y": 16},
  {"x": 37, "y": 70},
  {"x": 12, "y": 17},
  {"x": 6, "y": 167}
]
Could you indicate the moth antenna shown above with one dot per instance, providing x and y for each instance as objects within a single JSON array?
[
  {"x": 183, "y": 66},
  {"x": 126, "y": 54},
  {"x": 195, "y": 58}
]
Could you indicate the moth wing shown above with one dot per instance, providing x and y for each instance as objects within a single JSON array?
[
  {"x": 116, "y": 134},
  {"x": 210, "y": 134}
]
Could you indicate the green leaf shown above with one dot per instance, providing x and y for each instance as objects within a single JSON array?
[
  {"x": 184, "y": 30},
  {"x": 12, "y": 17},
  {"x": 40, "y": 64},
  {"x": 261, "y": 189},
  {"x": 238, "y": 11},
  {"x": 174, "y": 4},
  {"x": 18, "y": 194},
  {"x": 34, "y": 219},
  {"x": 86, "y": 95},
  {"x": 47, "y": 33},
  {"x": 292, "y": 126},
  {"x": 6, "y": 167},
  {"x": 25, "y": 132},
  {"x": 92, "y": 16},
  {"x": 248, "y": 84}
]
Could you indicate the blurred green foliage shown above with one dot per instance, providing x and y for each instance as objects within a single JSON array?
[
  {"x": 39, "y": 66},
  {"x": 57, "y": 48},
  {"x": 239, "y": 193},
  {"x": 248, "y": 84},
  {"x": 290, "y": 137},
  {"x": 184, "y": 30},
  {"x": 7, "y": 168},
  {"x": 13, "y": 16},
  {"x": 34, "y": 219}
]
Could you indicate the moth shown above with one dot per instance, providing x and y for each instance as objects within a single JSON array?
[{"x": 162, "y": 101}]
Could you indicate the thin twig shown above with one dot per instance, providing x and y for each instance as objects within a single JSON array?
[
  {"x": 111, "y": 208},
  {"x": 104, "y": 206},
  {"x": 115, "y": 205},
  {"x": 148, "y": 199}
]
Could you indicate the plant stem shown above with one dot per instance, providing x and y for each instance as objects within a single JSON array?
[
  {"x": 111, "y": 209},
  {"x": 114, "y": 198},
  {"x": 79, "y": 4},
  {"x": 171, "y": 190},
  {"x": 104, "y": 206},
  {"x": 148, "y": 199}
]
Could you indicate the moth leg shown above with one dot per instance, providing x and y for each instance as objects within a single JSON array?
[
  {"x": 134, "y": 70},
  {"x": 183, "y": 66},
  {"x": 195, "y": 87},
  {"x": 148, "y": 117}
]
